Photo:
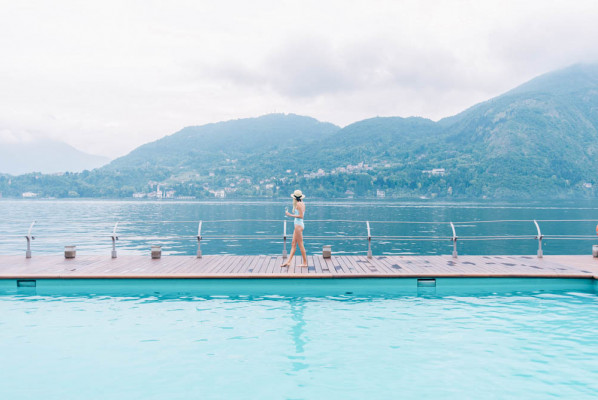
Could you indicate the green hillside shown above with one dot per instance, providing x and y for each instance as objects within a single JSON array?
[
  {"x": 209, "y": 145},
  {"x": 539, "y": 139}
]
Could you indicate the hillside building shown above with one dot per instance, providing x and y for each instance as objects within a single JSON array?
[{"x": 435, "y": 172}]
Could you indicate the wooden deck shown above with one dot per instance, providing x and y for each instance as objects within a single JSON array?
[{"x": 222, "y": 266}]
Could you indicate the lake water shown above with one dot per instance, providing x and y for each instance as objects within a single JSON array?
[{"x": 173, "y": 224}]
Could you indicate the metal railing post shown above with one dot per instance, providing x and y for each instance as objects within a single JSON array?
[
  {"x": 539, "y": 238},
  {"x": 454, "y": 239},
  {"x": 199, "y": 240},
  {"x": 369, "y": 240},
  {"x": 29, "y": 239},
  {"x": 114, "y": 239},
  {"x": 284, "y": 238}
]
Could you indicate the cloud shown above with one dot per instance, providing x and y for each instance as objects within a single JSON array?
[
  {"x": 305, "y": 67},
  {"x": 107, "y": 76},
  {"x": 309, "y": 67}
]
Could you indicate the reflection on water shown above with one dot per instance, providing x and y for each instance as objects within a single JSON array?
[
  {"x": 88, "y": 224},
  {"x": 297, "y": 332}
]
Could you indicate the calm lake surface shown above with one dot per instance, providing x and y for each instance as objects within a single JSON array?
[{"x": 173, "y": 224}]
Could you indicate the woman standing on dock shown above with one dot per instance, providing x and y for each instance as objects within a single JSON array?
[{"x": 298, "y": 213}]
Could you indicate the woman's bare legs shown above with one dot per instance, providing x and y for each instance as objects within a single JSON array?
[
  {"x": 297, "y": 241},
  {"x": 299, "y": 232},
  {"x": 293, "y": 244}
]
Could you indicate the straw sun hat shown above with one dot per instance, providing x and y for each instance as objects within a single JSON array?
[{"x": 297, "y": 194}]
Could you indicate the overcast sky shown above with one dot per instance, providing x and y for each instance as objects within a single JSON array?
[{"x": 106, "y": 76}]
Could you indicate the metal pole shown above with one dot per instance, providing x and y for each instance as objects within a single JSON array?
[
  {"x": 284, "y": 237},
  {"x": 539, "y": 237},
  {"x": 199, "y": 240},
  {"x": 114, "y": 239},
  {"x": 29, "y": 239},
  {"x": 369, "y": 240},
  {"x": 454, "y": 239}
]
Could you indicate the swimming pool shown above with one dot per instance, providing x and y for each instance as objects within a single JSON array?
[{"x": 507, "y": 339}]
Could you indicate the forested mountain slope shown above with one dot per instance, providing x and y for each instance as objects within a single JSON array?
[{"x": 539, "y": 139}]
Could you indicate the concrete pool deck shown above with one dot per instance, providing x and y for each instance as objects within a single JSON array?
[{"x": 225, "y": 266}]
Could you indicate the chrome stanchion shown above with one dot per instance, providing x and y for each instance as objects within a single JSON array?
[
  {"x": 199, "y": 240},
  {"x": 539, "y": 238},
  {"x": 284, "y": 238},
  {"x": 454, "y": 239},
  {"x": 114, "y": 239},
  {"x": 29, "y": 239},
  {"x": 369, "y": 240}
]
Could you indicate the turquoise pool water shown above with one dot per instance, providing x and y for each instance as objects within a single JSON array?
[{"x": 515, "y": 342}]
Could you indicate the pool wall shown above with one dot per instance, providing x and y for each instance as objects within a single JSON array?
[{"x": 294, "y": 287}]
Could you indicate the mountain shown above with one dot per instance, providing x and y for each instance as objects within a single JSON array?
[
  {"x": 46, "y": 156},
  {"x": 539, "y": 139},
  {"x": 540, "y": 135},
  {"x": 208, "y": 145}
]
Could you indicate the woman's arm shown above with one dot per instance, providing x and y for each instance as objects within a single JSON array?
[{"x": 300, "y": 208}]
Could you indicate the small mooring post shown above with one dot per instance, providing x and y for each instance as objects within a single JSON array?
[
  {"x": 114, "y": 239},
  {"x": 284, "y": 240},
  {"x": 539, "y": 238},
  {"x": 156, "y": 252},
  {"x": 70, "y": 251},
  {"x": 369, "y": 239},
  {"x": 29, "y": 239},
  {"x": 454, "y": 240},
  {"x": 199, "y": 240}
]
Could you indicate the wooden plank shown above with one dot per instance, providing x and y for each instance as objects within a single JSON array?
[
  {"x": 276, "y": 261},
  {"x": 329, "y": 265},
  {"x": 256, "y": 262},
  {"x": 379, "y": 263},
  {"x": 277, "y": 269},
  {"x": 202, "y": 264},
  {"x": 347, "y": 266},
  {"x": 319, "y": 264},
  {"x": 316, "y": 263},
  {"x": 367, "y": 264},
  {"x": 338, "y": 265},
  {"x": 223, "y": 264},
  {"x": 263, "y": 266},
  {"x": 237, "y": 264},
  {"x": 359, "y": 267},
  {"x": 297, "y": 261},
  {"x": 240, "y": 266}
]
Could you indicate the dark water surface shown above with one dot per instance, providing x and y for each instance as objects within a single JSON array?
[{"x": 173, "y": 224}]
